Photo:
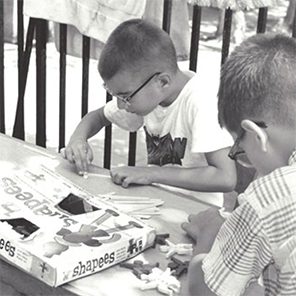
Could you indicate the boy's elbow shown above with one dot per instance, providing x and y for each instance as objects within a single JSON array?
[
  {"x": 229, "y": 181},
  {"x": 229, "y": 184}
]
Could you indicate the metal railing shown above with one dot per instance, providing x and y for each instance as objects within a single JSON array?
[{"x": 38, "y": 29}]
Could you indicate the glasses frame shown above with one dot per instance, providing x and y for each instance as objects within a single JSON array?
[
  {"x": 127, "y": 99},
  {"x": 235, "y": 150}
]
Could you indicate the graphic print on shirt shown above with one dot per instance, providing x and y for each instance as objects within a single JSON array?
[{"x": 164, "y": 150}]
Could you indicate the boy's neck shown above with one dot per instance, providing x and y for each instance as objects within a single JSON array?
[
  {"x": 283, "y": 143},
  {"x": 179, "y": 80}
]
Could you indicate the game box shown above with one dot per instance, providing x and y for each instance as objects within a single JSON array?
[{"x": 58, "y": 232}]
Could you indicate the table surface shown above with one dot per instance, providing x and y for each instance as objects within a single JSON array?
[{"x": 113, "y": 280}]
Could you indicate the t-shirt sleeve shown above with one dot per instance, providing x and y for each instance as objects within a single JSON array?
[
  {"x": 239, "y": 254},
  {"x": 207, "y": 135},
  {"x": 120, "y": 117}
]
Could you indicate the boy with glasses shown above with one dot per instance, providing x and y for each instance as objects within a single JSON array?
[
  {"x": 186, "y": 146},
  {"x": 257, "y": 105}
]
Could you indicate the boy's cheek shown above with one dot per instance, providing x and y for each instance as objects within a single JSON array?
[{"x": 120, "y": 104}]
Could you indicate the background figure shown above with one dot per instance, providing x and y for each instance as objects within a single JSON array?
[
  {"x": 179, "y": 31},
  {"x": 285, "y": 25},
  {"x": 290, "y": 15},
  {"x": 238, "y": 26}
]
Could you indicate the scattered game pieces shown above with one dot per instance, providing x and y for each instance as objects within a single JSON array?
[
  {"x": 139, "y": 268},
  {"x": 178, "y": 266},
  {"x": 172, "y": 249},
  {"x": 163, "y": 281}
]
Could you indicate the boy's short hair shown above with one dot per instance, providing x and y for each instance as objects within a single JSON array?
[
  {"x": 137, "y": 45},
  {"x": 258, "y": 81}
]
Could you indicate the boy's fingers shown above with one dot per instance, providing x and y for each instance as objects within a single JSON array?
[
  {"x": 191, "y": 217},
  {"x": 81, "y": 162},
  {"x": 89, "y": 156},
  {"x": 69, "y": 155},
  {"x": 116, "y": 178},
  {"x": 190, "y": 230},
  {"x": 185, "y": 226}
]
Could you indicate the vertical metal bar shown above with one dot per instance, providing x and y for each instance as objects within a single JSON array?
[
  {"x": 107, "y": 140},
  {"x": 2, "y": 98},
  {"x": 132, "y": 149},
  {"x": 19, "y": 125},
  {"x": 167, "y": 13},
  {"x": 226, "y": 34},
  {"x": 85, "y": 74},
  {"x": 262, "y": 20},
  {"x": 23, "y": 67},
  {"x": 20, "y": 32},
  {"x": 195, "y": 35},
  {"x": 294, "y": 25},
  {"x": 62, "y": 102},
  {"x": 41, "y": 39}
]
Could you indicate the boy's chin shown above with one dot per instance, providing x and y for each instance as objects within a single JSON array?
[{"x": 139, "y": 113}]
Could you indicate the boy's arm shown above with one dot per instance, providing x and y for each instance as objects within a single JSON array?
[
  {"x": 78, "y": 150},
  {"x": 218, "y": 176},
  {"x": 195, "y": 284}
]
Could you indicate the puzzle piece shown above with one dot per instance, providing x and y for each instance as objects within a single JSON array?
[
  {"x": 163, "y": 281},
  {"x": 161, "y": 239},
  {"x": 172, "y": 249},
  {"x": 139, "y": 268},
  {"x": 178, "y": 267}
]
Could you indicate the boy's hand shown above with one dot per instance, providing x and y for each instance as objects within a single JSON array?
[
  {"x": 127, "y": 175},
  {"x": 203, "y": 229},
  {"x": 78, "y": 151}
]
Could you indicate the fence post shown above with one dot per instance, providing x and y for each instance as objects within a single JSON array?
[
  {"x": 195, "y": 35},
  {"x": 85, "y": 74},
  {"x": 23, "y": 68},
  {"x": 62, "y": 101},
  {"x": 294, "y": 25},
  {"x": 2, "y": 99},
  {"x": 107, "y": 140},
  {"x": 167, "y": 13},
  {"x": 41, "y": 40},
  {"x": 226, "y": 34},
  {"x": 262, "y": 19}
]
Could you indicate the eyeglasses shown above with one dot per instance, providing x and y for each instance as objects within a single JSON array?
[
  {"x": 129, "y": 97},
  {"x": 237, "y": 154}
]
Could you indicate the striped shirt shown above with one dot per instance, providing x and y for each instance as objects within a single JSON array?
[{"x": 259, "y": 238}]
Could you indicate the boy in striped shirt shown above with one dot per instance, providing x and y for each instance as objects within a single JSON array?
[{"x": 257, "y": 104}]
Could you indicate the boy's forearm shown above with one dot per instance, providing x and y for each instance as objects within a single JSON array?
[
  {"x": 206, "y": 179},
  {"x": 90, "y": 124},
  {"x": 195, "y": 284}
]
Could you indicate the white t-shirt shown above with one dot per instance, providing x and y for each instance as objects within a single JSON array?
[{"x": 182, "y": 132}]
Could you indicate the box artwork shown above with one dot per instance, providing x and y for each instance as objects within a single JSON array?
[{"x": 58, "y": 232}]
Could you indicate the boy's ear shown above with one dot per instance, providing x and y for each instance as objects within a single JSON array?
[
  {"x": 261, "y": 135},
  {"x": 164, "y": 79}
]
